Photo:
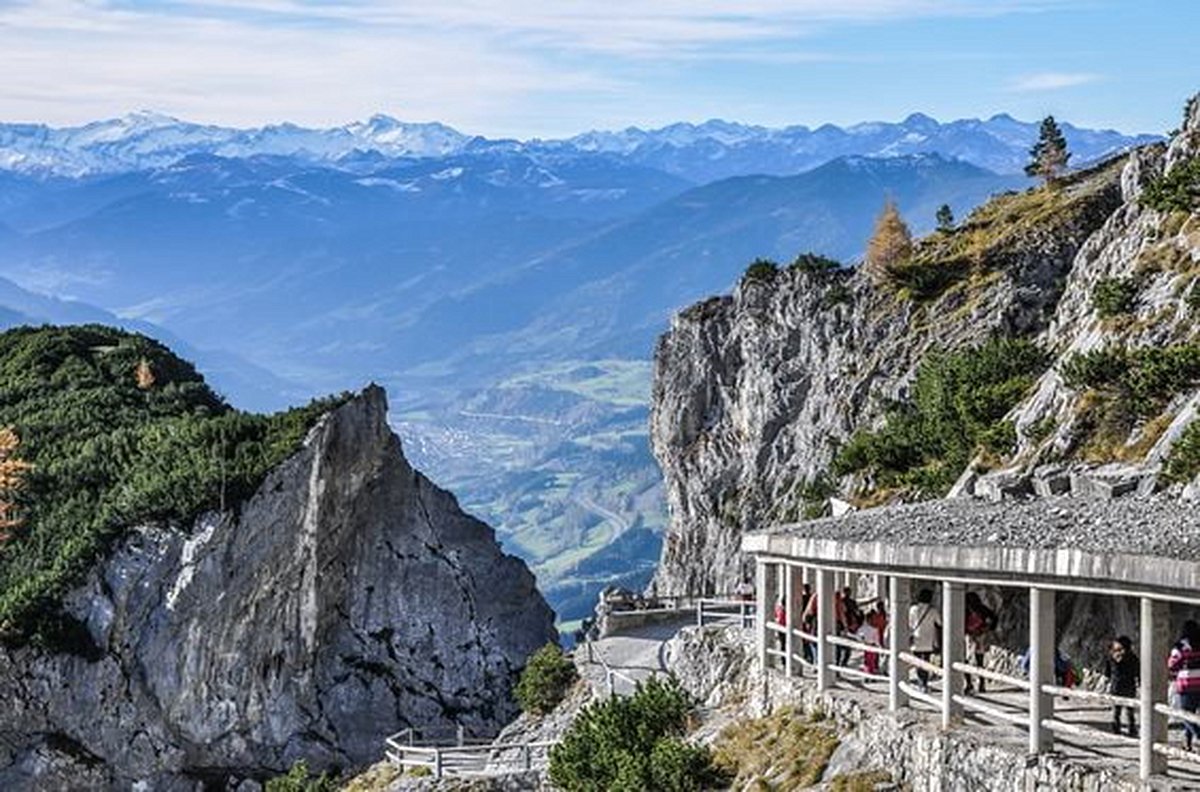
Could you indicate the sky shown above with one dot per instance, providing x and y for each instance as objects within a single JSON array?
[{"x": 549, "y": 68}]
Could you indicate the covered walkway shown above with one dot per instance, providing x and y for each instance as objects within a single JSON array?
[{"x": 1036, "y": 554}]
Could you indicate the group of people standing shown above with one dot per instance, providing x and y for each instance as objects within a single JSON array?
[{"x": 1122, "y": 665}]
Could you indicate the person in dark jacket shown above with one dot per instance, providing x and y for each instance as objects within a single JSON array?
[{"x": 1123, "y": 670}]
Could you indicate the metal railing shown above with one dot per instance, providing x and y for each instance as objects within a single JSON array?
[{"x": 481, "y": 758}]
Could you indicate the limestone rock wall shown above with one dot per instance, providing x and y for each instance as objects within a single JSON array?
[{"x": 347, "y": 599}]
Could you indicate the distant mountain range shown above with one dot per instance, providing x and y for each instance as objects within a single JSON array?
[
  {"x": 507, "y": 293},
  {"x": 696, "y": 152}
]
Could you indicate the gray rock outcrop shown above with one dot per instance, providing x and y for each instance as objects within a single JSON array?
[{"x": 347, "y": 599}]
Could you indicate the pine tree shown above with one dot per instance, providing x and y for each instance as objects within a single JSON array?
[
  {"x": 12, "y": 481},
  {"x": 945, "y": 218},
  {"x": 890, "y": 244},
  {"x": 1048, "y": 157}
]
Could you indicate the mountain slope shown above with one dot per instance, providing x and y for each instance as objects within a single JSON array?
[{"x": 335, "y": 597}]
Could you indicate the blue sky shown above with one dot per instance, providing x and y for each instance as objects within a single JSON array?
[{"x": 528, "y": 68}]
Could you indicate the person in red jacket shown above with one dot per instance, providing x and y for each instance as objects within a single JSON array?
[{"x": 1184, "y": 665}]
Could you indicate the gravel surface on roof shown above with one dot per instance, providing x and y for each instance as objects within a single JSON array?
[{"x": 1157, "y": 527}]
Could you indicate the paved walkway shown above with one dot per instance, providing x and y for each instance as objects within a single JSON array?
[{"x": 638, "y": 654}]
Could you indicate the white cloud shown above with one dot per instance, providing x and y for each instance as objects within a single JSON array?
[
  {"x": 1052, "y": 81},
  {"x": 481, "y": 65}
]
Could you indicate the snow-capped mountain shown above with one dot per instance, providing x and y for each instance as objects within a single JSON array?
[
  {"x": 145, "y": 140},
  {"x": 697, "y": 152}
]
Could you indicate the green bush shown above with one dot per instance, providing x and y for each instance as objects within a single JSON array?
[
  {"x": 110, "y": 453},
  {"x": 814, "y": 263},
  {"x": 957, "y": 403},
  {"x": 1183, "y": 464},
  {"x": 836, "y": 294},
  {"x": 926, "y": 279},
  {"x": 1178, "y": 190},
  {"x": 547, "y": 677},
  {"x": 632, "y": 744},
  {"x": 298, "y": 780},
  {"x": 1145, "y": 378},
  {"x": 761, "y": 270},
  {"x": 1114, "y": 296}
]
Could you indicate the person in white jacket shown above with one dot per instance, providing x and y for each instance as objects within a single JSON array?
[{"x": 925, "y": 625}]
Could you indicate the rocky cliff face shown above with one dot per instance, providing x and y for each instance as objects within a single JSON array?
[
  {"x": 1155, "y": 255},
  {"x": 752, "y": 393},
  {"x": 347, "y": 599}
]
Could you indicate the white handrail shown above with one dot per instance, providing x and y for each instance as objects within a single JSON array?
[
  {"x": 1054, "y": 724},
  {"x": 841, "y": 640},
  {"x": 1178, "y": 714},
  {"x": 913, "y": 692},
  {"x": 924, "y": 665},
  {"x": 995, "y": 676},
  {"x": 977, "y": 705},
  {"x": 1092, "y": 695}
]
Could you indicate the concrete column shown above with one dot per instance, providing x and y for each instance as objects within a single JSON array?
[
  {"x": 1041, "y": 667},
  {"x": 1155, "y": 644},
  {"x": 764, "y": 609},
  {"x": 953, "y": 649},
  {"x": 789, "y": 607},
  {"x": 898, "y": 632},
  {"x": 825, "y": 626}
]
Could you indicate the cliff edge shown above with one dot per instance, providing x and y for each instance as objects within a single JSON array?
[{"x": 346, "y": 599}]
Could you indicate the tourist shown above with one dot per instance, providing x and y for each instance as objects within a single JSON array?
[
  {"x": 745, "y": 590},
  {"x": 1124, "y": 671},
  {"x": 1184, "y": 666},
  {"x": 781, "y": 620},
  {"x": 980, "y": 622},
  {"x": 848, "y": 619},
  {"x": 808, "y": 623},
  {"x": 873, "y": 628},
  {"x": 926, "y": 633}
]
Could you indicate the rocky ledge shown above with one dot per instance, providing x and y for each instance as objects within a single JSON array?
[{"x": 347, "y": 599}]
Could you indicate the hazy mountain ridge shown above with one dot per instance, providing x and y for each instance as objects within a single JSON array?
[{"x": 698, "y": 152}]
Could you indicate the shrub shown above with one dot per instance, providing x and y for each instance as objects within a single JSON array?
[
  {"x": 836, "y": 294},
  {"x": 1178, "y": 190},
  {"x": 761, "y": 270},
  {"x": 814, "y": 263},
  {"x": 1114, "y": 296},
  {"x": 298, "y": 780},
  {"x": 926, "y": 279},
  {"x": 1183, "y": 464},
  {"x": 120, "y": 432},
  {"x": 630, "y": 744},
  {"x": 1145, "y": 378},
  {"x": 547, "y": 677},
  {"x": 958, "y": 401}
]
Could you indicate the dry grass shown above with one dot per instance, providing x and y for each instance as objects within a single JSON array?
[{"x": 782, "y": 752}]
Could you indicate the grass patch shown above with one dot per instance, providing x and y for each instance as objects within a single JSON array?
[
  {"x": 120, "y": 432},
  {"x": 788, "y": 748},
  {"x": 998, "y": 231}
]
